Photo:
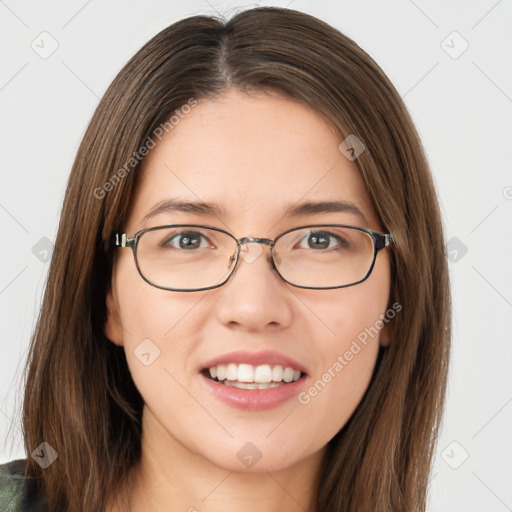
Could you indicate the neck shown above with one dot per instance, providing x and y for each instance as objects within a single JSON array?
[{"x": 170, "y": 477}]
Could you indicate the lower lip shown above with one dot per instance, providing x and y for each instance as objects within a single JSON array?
[{"x": 254, "y": 399}]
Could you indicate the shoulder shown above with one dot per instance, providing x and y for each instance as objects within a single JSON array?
[{"x": 16, "y": 493}]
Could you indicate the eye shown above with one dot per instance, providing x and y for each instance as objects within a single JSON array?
[
  {"x": 186, "y": 240},
  {"x": 324, "y": 240}
]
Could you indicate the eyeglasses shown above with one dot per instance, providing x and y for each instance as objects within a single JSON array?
[{"x": 189, "y": 257}]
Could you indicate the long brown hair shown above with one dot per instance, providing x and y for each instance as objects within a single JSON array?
[{"x": 80, "y": 397}]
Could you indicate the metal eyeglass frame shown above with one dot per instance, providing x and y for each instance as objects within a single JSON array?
[{"x": 380, "y": 241}]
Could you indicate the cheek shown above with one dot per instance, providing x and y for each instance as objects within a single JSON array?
[
  {"x": 161, "y": 335},
  {"x": 331, "y": 398},
  {"x": 353, "y": 316},
  {"x": 159, "y": 332},
  {"x": 346, "y": 366},
  {"x": 347, "y": 351},
  {"x": 149, "y": 312}
]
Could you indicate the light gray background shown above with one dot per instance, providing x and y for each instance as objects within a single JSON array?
[{"x": 461, "y": 104}]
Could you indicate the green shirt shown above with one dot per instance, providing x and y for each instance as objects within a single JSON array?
[{"x": 17, "y": 494}]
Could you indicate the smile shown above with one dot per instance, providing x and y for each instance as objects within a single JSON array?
[
  {"x": 247, "y": 376},
  {"x": 253, "y": 381}
]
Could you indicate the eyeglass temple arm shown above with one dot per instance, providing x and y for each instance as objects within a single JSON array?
[
  {"x": 121, "y": 240},
  {"x": 383, "y": 240}
]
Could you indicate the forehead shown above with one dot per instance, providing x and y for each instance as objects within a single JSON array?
[{"x": 252, "y": 155}]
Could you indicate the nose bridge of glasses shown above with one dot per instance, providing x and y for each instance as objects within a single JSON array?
[
  {"x": 250, "y": 239},
  {"x": 251, "y": 255}
]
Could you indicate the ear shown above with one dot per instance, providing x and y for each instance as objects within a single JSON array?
[{"x": 113, "y": 329}]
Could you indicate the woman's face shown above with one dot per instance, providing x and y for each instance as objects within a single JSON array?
[{"x": 253, "y": 156}]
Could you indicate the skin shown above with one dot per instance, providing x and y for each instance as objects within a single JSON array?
[{"x": 253, "y": 155}]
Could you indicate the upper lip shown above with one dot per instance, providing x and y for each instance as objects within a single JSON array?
[{"x": 270, "y": 357}]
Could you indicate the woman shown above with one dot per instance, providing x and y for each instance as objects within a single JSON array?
[{"x": 179, "y": 363}]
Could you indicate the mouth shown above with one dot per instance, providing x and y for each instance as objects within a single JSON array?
[
  {"x": 253, "y": 381},
  {"x": 251, "y": 377}
]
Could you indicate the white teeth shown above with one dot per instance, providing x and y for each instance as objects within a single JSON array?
[
  {"x": 245, "y": 373},
  {"x": 232, "y": 371},
  {"x": 264, "y": 374},
  {"x": 221, "y": 372},
  {"x": 252, "y": 385},
  {"x": 269, "y": 385},
  {"x": 277, "y": 373},
  {"x": 288, "y": 374}
]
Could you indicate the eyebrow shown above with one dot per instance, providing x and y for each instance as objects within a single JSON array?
[{"x": 214, "y": 210}]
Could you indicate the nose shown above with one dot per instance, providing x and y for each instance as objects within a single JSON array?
[{"x": 255, "y": 297}]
